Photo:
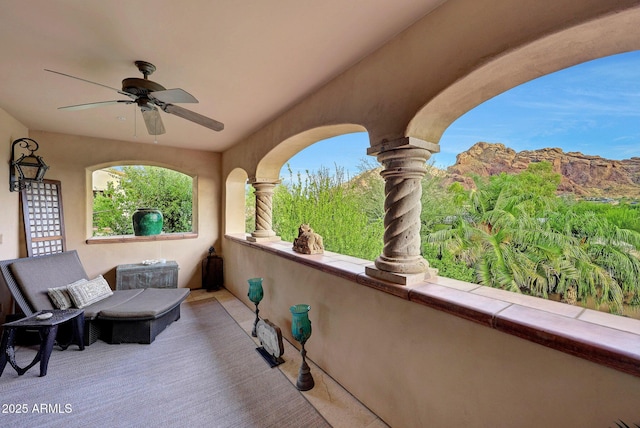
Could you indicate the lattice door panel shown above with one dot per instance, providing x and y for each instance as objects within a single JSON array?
[{"x": 43, "y": 218}]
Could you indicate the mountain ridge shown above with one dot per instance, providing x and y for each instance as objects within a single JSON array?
[{"x": 582, "y": 175}]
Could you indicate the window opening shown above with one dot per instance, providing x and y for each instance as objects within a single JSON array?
[{"x": 119, "y": 190}]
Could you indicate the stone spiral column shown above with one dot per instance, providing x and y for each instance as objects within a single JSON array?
[
  {"x": 264, "y": 211},
  {"x": 404, "y": 163}
]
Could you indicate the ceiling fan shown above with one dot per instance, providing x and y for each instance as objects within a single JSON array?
[{"x": 149, "y": 95}]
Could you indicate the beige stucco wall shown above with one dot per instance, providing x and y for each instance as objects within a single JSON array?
[
  {"x": 101, "y": 179},
  {"x": 417, "y": 367},
  {"x": 70, "y": 159},
  {"x": 10, "y": 130}
]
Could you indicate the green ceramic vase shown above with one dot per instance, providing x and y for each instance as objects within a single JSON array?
[{"x": 147, "y": 221}]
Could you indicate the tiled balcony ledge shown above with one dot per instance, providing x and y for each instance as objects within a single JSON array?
[{"x": 606, "y": 339}]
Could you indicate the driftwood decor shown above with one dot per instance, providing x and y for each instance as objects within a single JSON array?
[{"x": 308, "y": 242}]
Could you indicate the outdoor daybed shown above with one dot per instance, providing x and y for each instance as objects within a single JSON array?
[{"x": 122, "y": 316}]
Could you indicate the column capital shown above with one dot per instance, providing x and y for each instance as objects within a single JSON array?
[
  {"x": 402, "y": 143},
  {"x": 259, "y": 180}
]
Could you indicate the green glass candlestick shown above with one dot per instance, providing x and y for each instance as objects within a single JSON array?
[
  {"x": 256, "y": 293},
  {"x": 301, "y": 331}
]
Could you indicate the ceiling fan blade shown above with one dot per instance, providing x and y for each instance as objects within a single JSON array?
[
  {"x": 92, "y": 105},
  {"x": 89, "y": 81},
  {"x": 193, "y": 117},
  {"x": 153, "y": 121},
  {"x": 173, "y": 96}
]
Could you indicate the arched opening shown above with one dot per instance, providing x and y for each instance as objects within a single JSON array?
[
  {"x": 322, "y": 188},
  {"x": 555, "y": 202},
  {"x": 590, "y": 108},
  {"x": 270, "y": 165},
  {"x": 603, "y": 37},
  {"x": 118, "y": 189},
  {"x": 235, "y": 186}
]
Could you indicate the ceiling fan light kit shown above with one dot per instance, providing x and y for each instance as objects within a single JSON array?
[{"x": 149, "y": 96}]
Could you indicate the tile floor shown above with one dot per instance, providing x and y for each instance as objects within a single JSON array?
[{"x": 333, "y": 402}]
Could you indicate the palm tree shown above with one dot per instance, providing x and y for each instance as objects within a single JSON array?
[
  {"x": 508, "y": 248},
  {"x": 517, "y": 236},
  {"x": 612, "y": 249}
]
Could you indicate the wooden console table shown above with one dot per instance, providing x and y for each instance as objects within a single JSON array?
[{"x": 158, "y": 275}]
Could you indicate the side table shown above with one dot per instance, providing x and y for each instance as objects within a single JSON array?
[
  {"x": 47, "y": 329},
  {"x": 157, "y": 275}
]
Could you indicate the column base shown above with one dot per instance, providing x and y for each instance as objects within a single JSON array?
[
  {"x": 399, "y": 278},
  {"x": 263, "y": 238}
]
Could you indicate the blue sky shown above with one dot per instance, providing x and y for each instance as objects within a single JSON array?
[{"x": 593, "y": 108}]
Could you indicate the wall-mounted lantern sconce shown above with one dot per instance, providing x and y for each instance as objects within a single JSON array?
[{"x": 27, "y": 168}]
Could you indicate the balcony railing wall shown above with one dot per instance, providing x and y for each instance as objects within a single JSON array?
[{"x": 428, "y": 364}]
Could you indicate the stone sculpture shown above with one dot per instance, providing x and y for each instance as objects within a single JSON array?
[
  {"x": 271, "y": 340},
  {"x": 308, "y": 242}
]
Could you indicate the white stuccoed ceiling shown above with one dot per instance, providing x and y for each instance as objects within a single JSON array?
[{"x": 246, "y": 61}]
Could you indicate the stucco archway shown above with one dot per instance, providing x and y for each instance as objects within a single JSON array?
[
  {"x": 609, "y": 35},
  {"x": 269, "y": 166},
  {"x": 267, "y": 174},
  {"x": 234, "y": 190}
]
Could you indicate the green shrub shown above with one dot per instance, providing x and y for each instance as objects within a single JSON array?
[{"x": 333, "y": 207}]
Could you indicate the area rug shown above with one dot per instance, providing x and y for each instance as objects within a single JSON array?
[{"x": 202, "y": 371}]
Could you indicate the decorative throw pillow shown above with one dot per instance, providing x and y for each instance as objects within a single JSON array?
[
  {"x": 89, "y": 292},
  {"x": 60, "y": 295}
]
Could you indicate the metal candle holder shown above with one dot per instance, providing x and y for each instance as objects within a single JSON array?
[
  {"x": 301, "y": 331},
  {"x": 255, "y": 295}
]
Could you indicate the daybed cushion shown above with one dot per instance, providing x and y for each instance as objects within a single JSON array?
[
  {"x": 42, "y": 273},
  {"x": 85, "y": 293},
  {"x": 150, "y": 304},
  {"x": 117, "y": 298}
]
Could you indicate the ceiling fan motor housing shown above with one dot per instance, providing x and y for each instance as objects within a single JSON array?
[{"x": 137, "y": 86}]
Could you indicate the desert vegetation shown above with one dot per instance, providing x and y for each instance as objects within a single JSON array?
[
  {"x": 512, "y": 231},
  {"x": 346, "y": 210}
]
